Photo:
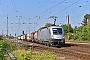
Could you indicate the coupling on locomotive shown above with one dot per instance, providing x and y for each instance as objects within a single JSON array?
[{"x": 53, "y": 35}]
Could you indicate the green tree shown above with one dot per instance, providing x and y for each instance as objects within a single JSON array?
[
  {"x": 65, "y": 27},
  {"x": 83, "y": 32},
  {"x": 88, "y": 26},
  {"x": 47, "y": 25},
  {"x": 85, "y": 20},
  {"x": 76, "y": 32}
]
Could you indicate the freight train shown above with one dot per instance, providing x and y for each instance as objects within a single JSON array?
[
  {"x": 53, "y": 35},
  {"x": 24, "y": 37}
]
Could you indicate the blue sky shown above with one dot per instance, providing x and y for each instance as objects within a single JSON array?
[{"x": 37, "y": 12}]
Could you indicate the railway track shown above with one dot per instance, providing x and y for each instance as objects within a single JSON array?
[
  {"x": 71, "y": 50},
  {"x": 67, "y": 51}
]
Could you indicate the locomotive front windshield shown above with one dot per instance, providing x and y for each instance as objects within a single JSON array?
[{"x": 57, "y": 31}]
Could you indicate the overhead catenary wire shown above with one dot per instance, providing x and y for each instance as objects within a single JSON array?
[
  {"x": 83, "y": 7},
  {"x": 44, "y": 11},
  {"x": 37, "y": 8},
  {"x": 50, "y": 8},
  {"x": 80, "y": 6},
  {"x": 70, "y": 6},
  {"x": 62, "y": 9}
]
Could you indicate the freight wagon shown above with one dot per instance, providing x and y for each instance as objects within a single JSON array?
[{"x": 25, "y": 37}]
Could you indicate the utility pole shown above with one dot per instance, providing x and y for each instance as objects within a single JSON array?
[
  {"x": 7, "y": 26},
  {"x": 68, "y": 27},
  {"x": 7, "y": 21},
  {"x": 19, "y": 20}
]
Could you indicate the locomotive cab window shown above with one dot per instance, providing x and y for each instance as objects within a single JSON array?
[{"x": 57, "y": 31}]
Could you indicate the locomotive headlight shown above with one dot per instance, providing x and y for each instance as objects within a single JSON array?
[
  {"x": 63, "y": 37},
  {"x": 52, "y": 37}
]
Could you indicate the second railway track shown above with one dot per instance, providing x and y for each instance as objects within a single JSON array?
[{"x": 78, "y": 51}]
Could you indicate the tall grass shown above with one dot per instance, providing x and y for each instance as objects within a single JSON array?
[{"x": 33, "y": 55}]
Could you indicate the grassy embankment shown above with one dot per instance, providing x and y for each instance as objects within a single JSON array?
[{"x": 24, "y": 54}]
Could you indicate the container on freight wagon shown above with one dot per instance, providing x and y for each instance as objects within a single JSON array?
[
  {"x": 22, "y": 37},
  {"x": 27, "y": 37}
]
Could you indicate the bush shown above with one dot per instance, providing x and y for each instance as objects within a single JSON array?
[
  {"x": 2, "y": 52},
  {"x": 75, "y": 37},
  {"x": 3, "y": 46}
]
